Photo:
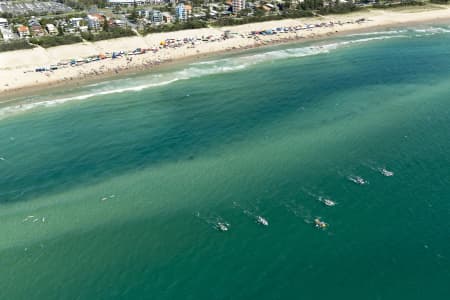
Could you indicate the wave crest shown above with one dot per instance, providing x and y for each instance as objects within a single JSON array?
[{"x": 205, "y": 68}]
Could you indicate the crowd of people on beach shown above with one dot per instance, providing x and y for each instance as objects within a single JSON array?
[
  {"x": 187, "y": 42},
  {"x": 169, "y": 43},
  {"x": 297, "y": 28}
]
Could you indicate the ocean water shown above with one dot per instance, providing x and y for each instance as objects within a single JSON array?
[{"x": 113, "y": 190}]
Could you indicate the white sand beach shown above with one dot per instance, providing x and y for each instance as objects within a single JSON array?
[{"x": 18, "y": 68}]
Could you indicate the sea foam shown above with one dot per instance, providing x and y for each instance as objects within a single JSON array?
[{"x": 211, "y": 67}]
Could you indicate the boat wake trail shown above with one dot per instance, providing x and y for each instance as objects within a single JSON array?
[
  {"x": 379, "y": 168},
  {"x": 213, "y": 221},
  {"x": 252, "y": 213},
  {"x": 298, "y": 210},
  {"x": 321, "y": 197}
]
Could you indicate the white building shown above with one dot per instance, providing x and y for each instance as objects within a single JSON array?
[
  {"x": 156, "y": 17},
  {"x": 180, "y": 12},
  {"x": 95, "y": 22},
  {"x": 126, "y": 2},
  {"x": 7, "y": 34},
  {"x": 3, "y": 22},
  {"x": 119, "y": 23},
  {"x": 183, "y": 12},
  {"x": 75, "y": 22},
  {"x": 51, "y": 29},
  {"x": 238, "y": 5}
]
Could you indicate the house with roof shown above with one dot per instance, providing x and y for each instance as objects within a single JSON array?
[
  {"x": 36, "y": 30},
  {"x": 76, "y": 22},
  {"x": 51, "y": 29},
  {"x": 23, "y": 31},
  {"x": 7, "y": 34},
  {"x": 117, "y": 23},
  {"x": 126, "y": 2},
  {"x": 167, "y": 17},
  {"x": 156, "y": 17},
  {"x": 188, "y": 9},
  {"x": 35, "y": 27},
  {"x": 3, "y": 23},
  {"x": 33, "y": 21},
  {"x": 268, "y": 7},
  {"x": 95, "y": 21}
]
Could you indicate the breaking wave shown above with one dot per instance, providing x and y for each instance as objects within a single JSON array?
[
  {"x": 48, "y": 103},
  {"x": 211, "y": 67},
  {"x": 432, "y": 30},
  {"x": 388, "y": 32}
]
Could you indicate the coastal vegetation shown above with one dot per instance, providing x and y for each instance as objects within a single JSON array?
[
  {"x": 391, "y": 4},
  {"x": 191, "y": 24},
  {"x": 229, "y": 21},
  {"x": 52, "y": 41},
  {"x": 338, "y": 8},
  {"x": 107, "y": 33},
  {"x": 15, "y": 45}
]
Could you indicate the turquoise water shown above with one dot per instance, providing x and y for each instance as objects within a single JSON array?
[{"x": 112, "y": 191}]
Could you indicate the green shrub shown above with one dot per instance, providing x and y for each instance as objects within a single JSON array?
[
  {"x": 402, "y": 3},
  {"x": 340, "y": 8},
  {"x": 192, "y": 24},
  {"x": 228, "y": 21},
  {"x": 106, "y": 35},
  {"x": 15, "y": 45},
  {"x": 52, "y": 41}
]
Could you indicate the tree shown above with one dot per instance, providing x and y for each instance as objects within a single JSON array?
[
  {"x": 259, "y": 12},
  {"x": 244, "y": 12},
  {"x": 133, "y": 16},
  {"x": 60, "y": 30},
  {"x": 116, "y": 9},
  {"x": 105, "y": 25},
  {"x": 288, "y": 3}
]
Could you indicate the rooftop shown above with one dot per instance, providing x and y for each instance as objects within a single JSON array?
[{"x": 22, "y": 28}]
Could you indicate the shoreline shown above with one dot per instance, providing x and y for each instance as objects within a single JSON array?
[
  {"x": 140, "y": 70},
  {"x": 17, "y": 79}
]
